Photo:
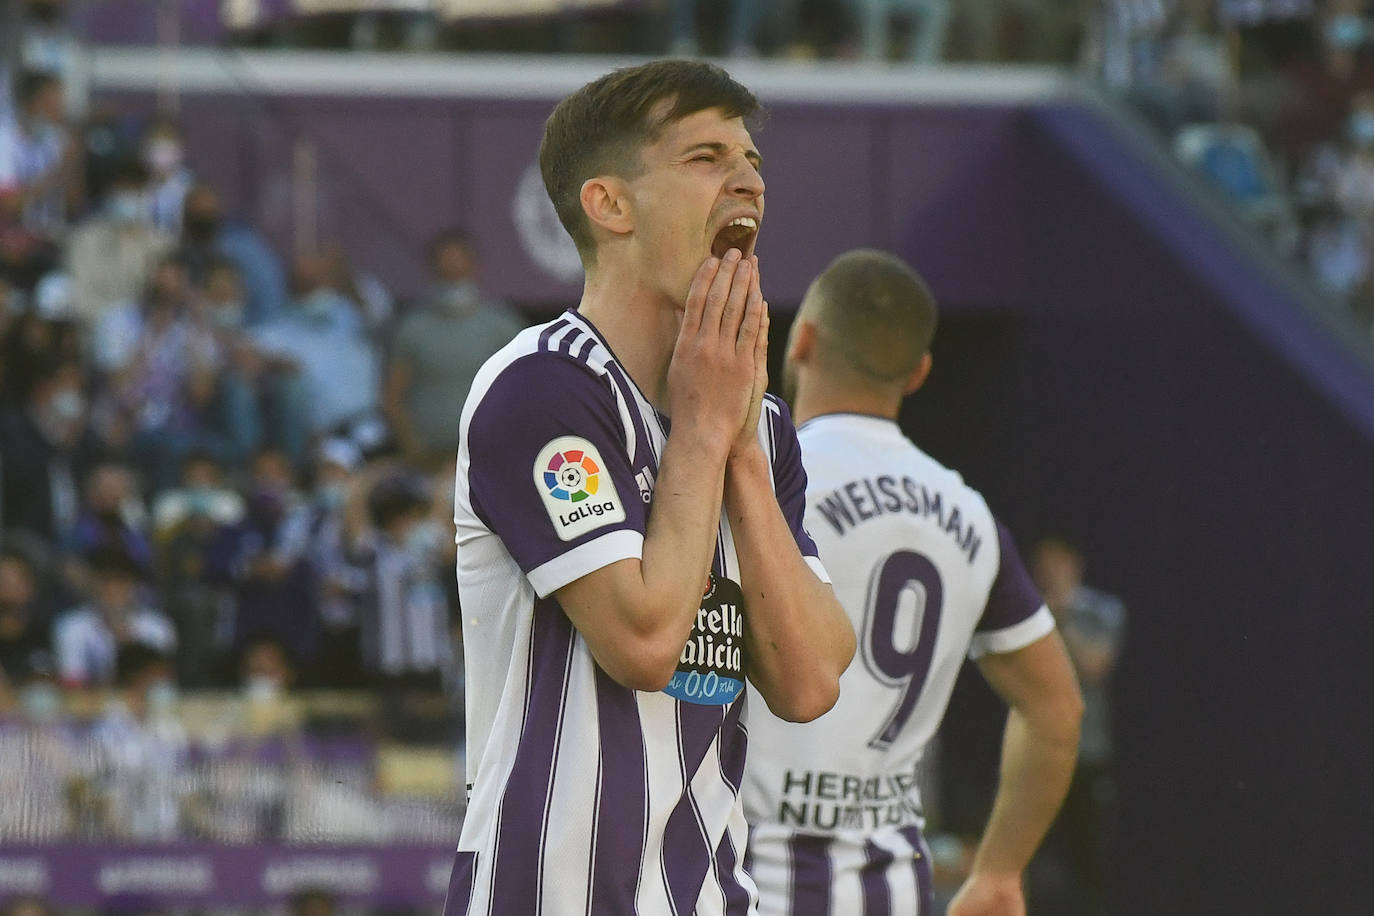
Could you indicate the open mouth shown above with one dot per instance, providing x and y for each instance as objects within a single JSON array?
[{"x": 739, "y": 233}]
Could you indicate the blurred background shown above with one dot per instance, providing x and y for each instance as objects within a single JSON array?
[{"x": 252, "y": 252}]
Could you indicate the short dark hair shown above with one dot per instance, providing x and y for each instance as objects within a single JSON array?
[
  {"x": 876, "y": 314},
  {"x": 130, "y": 170},
  {"x": 600, "y": 127},
  {"x": 134, "y": 659},
  {"x": 33, "y": 83},
  {"x": 12, "y": 554},
  {"x": 396, "y": 494},
  {"x": 113, "y": 561}
]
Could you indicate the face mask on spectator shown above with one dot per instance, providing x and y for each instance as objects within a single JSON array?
[
  {"x": 228, "y": 315},
  {"x": 66, "y": 406},
  {"x": 318, "y": 306},
  {"x": 460, "y": 296},
  {"x": 260, "y": 688},
  {"x": 127, "y": 207},
  {"x": 162, "y": 696},
  {"x": 1345, "y": 32},
  {"x": 332, "y": 495},
  {"x": 199, "y": 501},
  {"x": 41, "y": 703},
  {"x": 163, "y": 155},
  {"x": 1361, "y": 128}
]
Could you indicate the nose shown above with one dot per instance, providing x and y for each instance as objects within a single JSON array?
[{"x": 746, "y": 182}]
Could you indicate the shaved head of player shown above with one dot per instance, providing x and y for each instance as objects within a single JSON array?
[
  {"x": 928, "y": 577},
  {"x": 634, "y": 574}
]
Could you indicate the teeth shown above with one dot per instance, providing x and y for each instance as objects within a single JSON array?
[{"x": 748, "y": 222}]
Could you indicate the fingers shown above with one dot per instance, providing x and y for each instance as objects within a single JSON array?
[
  {"x": 754, "y": 311},
  {"x": 732, "y": 315},
  {"x": 761, "y": 345},
  {"x": 719, "y": 292},
  {"x": 696, "y": 294}
]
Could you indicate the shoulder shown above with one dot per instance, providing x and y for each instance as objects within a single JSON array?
[
  {"x": 75, "y": 620},
  {"x": 547, "y": 367},
  {"x": 155, "y": 624}
]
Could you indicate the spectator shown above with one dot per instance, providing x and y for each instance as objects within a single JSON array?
[
  {"x": 172, "y": 379},
  {"x": 44, "y": 449},
  {"x": 112, "y": 254},
  {"x": 38, "y": 159},
  {"x": 264, "y": 561},
  {"x": 203, "y": 494},
  {"x": 340, "y": 581},
  {"x": 23, "y": 642},
  {"x": 932, "y": 19},
  {"x": 46, "y": 45},
  {"x": 1092, "y": 624},
  {"x": 113, "y": 517},
  {"x": 206, "y": 238},
  {"x": 88, "y": 638},
  {"x": 45, "y": 330},
  {"x": 747, "y": 19},
  {"x": 1325, "y": 82},
  {"x": 369, "y": 297},
  {"x": 266, "y": 670},
  {"x": 323, "y": 360},
  {"x": 438, "y": 349},
  {"x": 165, "y": 156},
  {"x": 142, "y": 749},
  {"x": 41, "y": 762},
  {"x": 188, "y": 523},
  {"x": 38, "y": 180},
  {"x": 1352, "y": 184},
  {"x": 405, "y": 634}
]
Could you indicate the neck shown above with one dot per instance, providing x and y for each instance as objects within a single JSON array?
[
  {"x": 640, "y": 325},
  {"x": 823, "y": 397}
]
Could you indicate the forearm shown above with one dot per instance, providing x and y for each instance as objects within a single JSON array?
[
  {"x": 1037, "y": 766},
  {"x": 680, "y": 539},
  {"x": 798, "y": 637}
]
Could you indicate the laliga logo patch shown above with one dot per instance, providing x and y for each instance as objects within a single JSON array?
[{"x": 577, "y": 493}]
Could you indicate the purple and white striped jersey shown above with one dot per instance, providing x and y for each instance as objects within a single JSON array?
[
  {"x": 928, "y": 577},
  {"x": 586, "y": 797}
]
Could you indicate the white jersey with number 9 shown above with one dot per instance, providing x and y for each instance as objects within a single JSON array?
[{"x": 928, "y": 578}]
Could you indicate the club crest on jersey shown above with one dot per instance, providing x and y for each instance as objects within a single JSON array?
[
  {"x": 710, "y": 671},
  {"x": 577, "y": 491}
]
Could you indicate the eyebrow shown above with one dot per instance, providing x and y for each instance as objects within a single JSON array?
[{"x": 752, "y": 155}]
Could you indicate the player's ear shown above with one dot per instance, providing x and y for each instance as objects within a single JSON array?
[
  {"x": 801, "y": 341},
  {"x": 919, "y": 374},
  {"x": 606, "y": 204}
]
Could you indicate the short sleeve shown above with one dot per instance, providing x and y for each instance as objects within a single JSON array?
[
  {"x": 789, "y": 481},
  {"x": 548, "y": 473},
  {"x": 1015, "y": 616}
]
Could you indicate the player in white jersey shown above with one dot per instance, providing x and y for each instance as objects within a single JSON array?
[
  {"x": 630, "y": 546},
  {"x": 928, "y": 577}
]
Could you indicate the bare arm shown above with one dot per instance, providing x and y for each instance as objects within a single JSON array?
[
  {"x": 799, "y": 638},
  {"x": 636, "y": 615},
  {"x": 1039, "y": 749}
]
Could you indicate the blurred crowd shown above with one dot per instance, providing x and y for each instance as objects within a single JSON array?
[
  {"x": 221, "y": 471},
  {"x": 1272, "y": 101}
]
